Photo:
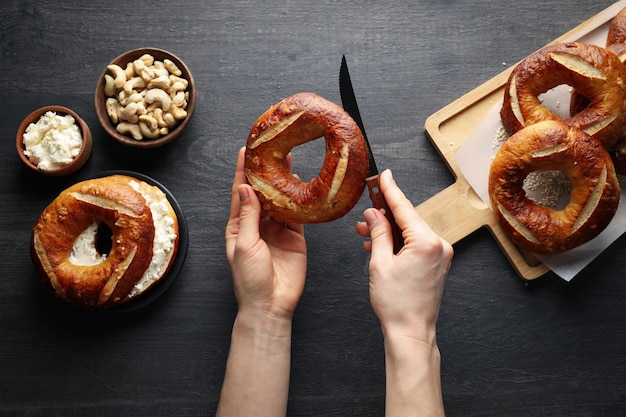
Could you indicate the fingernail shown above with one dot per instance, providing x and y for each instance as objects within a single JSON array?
[
  {"x": 370, "y": 217},
  {"x": 243, "y": 193},
  {"x": 388, "y": 172}
]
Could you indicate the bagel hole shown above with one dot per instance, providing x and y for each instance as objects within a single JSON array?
[
  {"x": 557, "y": 100},
  {"x": 307, "y": 159},
  {"x": 104, "y": 235},
  {"x": 548, "y": 188}
]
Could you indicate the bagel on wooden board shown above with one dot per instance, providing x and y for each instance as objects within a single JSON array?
[
  {"x": 594, "y": 72},
  {"x": 617, "y": 29},
  {"x": 553, "y": 146},
  {"x": 579, "y": 102}
]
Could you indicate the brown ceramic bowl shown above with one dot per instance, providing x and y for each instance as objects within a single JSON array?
[
  {"x": 78, "y": 161},
  {"x": 100, "y": 99}
]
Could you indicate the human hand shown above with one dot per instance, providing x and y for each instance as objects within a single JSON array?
[
  {"x": 267, "y": 258},
  {"x": 406, "y": 288}
]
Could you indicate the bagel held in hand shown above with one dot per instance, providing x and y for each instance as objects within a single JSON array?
[
  {"x": 294, "y": 121},
  {"x": 596, "y": 73},
  {"x": 553, "y": 146},
  {"x": 144, "y": 240}
]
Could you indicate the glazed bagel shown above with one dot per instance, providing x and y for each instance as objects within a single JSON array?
[
  {"x": 579, "y": 102},
  {"x": 593, "y": 71},
  {"x": 144, "y": 238},
  {"x": 617, "y": 29},
  {"x": 553, "y": 146},
  {"x": 294, "y": 121}
]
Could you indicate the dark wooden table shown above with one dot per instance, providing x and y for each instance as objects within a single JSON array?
[{"x": 509, "y": 348}]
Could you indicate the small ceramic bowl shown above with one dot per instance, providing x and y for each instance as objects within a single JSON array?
[
  {"x": 100, "y": 99},
  {"x": 78, "y": 161}
]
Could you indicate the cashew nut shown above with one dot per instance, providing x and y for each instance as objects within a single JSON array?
[
  {"x": 135, "y": 98},
  {"x": 150, "y": 121},
  {"x": 158, "y": 116},
  {"x": 109, "y": 85},
  {"x": 146, "y": 132},
  {"x": 159, "y": 96},
  {"x": 130, "y": 128},
  {"x": 174, "y": 79},
  {"x": 171, "y": 67},
  {"x": 118, "y": 75},
  {"x": 179, "y": 99},
  {"x": 162, "y": 82},
  {"x": 129, "y": 71},
  {"x": 113, "y": 107},
  {"x": 134, "y": 83},
  {"x": 178, "y": 86},
  {"x": 146, "y": 73},
  {"x": 170, "y": 120},
  {"x": 126, "y": 113},
  {"x": 178, "y": 113},
  {"x": 147, "y": 59}
]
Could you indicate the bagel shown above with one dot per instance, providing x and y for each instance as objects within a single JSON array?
[
  {"x": 596, "y": 73},
  {"x": 553, "y": 146},
  {"x": 579, "y": 102},
  {"x": 617, "y": 29},
  {"x": 294, "y": 121},
  {"x": 68, "y": 237}
]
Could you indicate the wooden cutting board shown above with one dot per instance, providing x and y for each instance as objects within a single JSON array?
[{"x": 458, "y": 211}]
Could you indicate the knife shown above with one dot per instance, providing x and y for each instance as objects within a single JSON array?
[{"x": 348, "y": 100}]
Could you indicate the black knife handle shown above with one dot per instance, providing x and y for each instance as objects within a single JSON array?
[{"x": 379, "y": 202}]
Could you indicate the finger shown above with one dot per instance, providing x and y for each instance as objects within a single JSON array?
[
  {"x": 402, "y": 208},
  {"x": 249, "y": 215},
  {"x": 240, "y": 178},
  {"x": 362, "y": 229},
  {"x": 380, "y": 233},
  {"x": 298, "y": 228}
]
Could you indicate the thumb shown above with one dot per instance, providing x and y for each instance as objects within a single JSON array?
[
  {"x": 249, "y": 214},
  {"x": 380, "y": 232}
]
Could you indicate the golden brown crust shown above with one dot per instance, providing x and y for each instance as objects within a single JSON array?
[
  {"x": 579, "y": 102},
  {"x": 109, "y": 200},
  {"x": 553, "y": 146},
  {"x": 291, "y": 122},
  {"x": 596, "y": 73},
  {"x": 617, "y": 29}
]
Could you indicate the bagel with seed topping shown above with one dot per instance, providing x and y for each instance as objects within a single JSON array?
[
  {"x": 593, "y": 71},
  {"x": 553, "y": 146}
]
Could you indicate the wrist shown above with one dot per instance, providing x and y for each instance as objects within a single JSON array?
[
  {"x": 262, "y": 322},
  {"x": 425, "y": 333}
]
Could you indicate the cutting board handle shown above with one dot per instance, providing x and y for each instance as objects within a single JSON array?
[
  {"x": 458, "y": 211},
  {"x": 455, "y": 212}
]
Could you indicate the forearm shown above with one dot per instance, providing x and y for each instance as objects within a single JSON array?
[
  {"x": 413, "y": 378},
  {"x": 258, "y": 366}
]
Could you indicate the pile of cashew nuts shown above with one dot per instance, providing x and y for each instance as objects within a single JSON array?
[{"x": 147, "y": 99}]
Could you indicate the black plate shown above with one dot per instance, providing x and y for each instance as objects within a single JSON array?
[{"x": 158, "y": 289}]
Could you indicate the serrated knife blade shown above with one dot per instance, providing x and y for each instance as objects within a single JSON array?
[{"x": 348, "y": 100}]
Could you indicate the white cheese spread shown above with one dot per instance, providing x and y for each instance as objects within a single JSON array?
[
  {"x": 164, "y": 239},
  {"x": 53, "y": 141},
  {"x": 84, "y": 250}
]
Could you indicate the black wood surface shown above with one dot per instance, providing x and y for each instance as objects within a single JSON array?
[{"x": 547, "y": 348}]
